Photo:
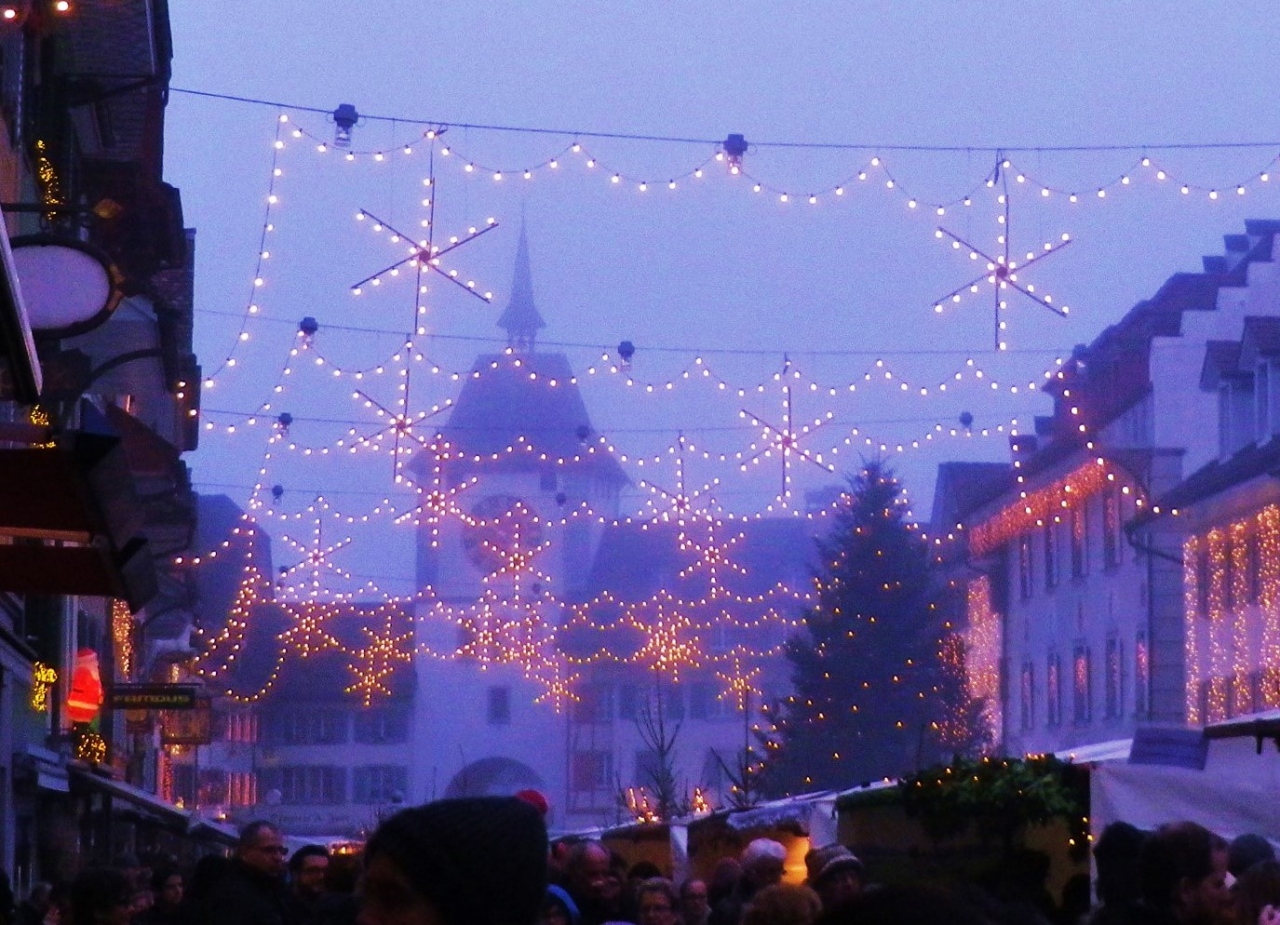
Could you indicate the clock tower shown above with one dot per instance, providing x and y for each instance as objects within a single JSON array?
[{"x": 515, "y": 490}]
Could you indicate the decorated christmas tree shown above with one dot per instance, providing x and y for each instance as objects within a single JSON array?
[{"x": 865, "y": 668}]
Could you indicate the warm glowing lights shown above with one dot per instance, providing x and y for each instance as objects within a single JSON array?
[
  {"x": 1231, "y": 618},
  {"x": 983, "y": 649},
  {"x": 43, "y": 678},
  {"x": 1045, "y": 505},
  {"x": 122, "y": 636}
]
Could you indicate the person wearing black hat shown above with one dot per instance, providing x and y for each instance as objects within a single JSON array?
[
  {"x": 467, "y": 861},
  {"x": 835, "y": 873},
  {"x": 1246, "y": 850}
]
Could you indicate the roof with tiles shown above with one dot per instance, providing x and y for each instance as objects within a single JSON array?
[
  {"x": 527, "y": 410},
  {"x": 1108, "y": 376}
]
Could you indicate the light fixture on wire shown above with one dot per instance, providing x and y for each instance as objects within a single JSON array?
[
  {"x": 345, "y": 118},
  {"x": 735, "y": 146}
]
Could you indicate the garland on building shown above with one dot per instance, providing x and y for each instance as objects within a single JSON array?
[
  {"x": 1046, "y": 505},
  {"x": 1231, "y": 617}
]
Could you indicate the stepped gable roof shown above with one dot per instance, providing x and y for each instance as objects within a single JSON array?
[
  {"x": 1252, "y": 461},
  {"x": 510, "y": 397},
  {"x": 322, "y": 677},
  {"x": 1112, "y": 373},
  {"x": 521, "y": 318}
]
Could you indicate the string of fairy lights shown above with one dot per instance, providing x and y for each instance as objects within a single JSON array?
[
  {"x": 1232, "y": 650},
  {"x": 517, "y": 618},
  {"x": 510, "y": 624}
]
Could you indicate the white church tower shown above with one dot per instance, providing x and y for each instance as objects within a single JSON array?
[{"x": 514, "y": 493}]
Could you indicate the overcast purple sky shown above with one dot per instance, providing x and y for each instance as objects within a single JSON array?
[{"x": 709, "y": 266}]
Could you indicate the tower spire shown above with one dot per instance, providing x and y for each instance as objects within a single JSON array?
[{"x": 521, "y": 318}]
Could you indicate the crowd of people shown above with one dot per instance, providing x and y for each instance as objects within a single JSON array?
[{"x": 488, "y": 861}]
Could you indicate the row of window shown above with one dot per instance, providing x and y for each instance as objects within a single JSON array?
[
  {"x": 211, "y": 787},
  {"x": 1223, "y": 698},
  {"x": 326, "y": 785},
  {"x": 1241, "y": 562},
  {"x": 336, "y": 726},
  {"x": 1117, "y": 676},
  {"x": 1080, "y": 524},
  {"x": 696, "y": 700},
  {"x": 297, "y": 784}
]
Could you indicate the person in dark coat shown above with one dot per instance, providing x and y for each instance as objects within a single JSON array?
[
  {"x": 465, "y": 861},
  {"x": 307, "y": 894},
  {"x": 167, "y": 909},
  {"x": 101, "y": 896},
  {"x": 252, "y": 891},
  {"x": 1183, "y": 872}
]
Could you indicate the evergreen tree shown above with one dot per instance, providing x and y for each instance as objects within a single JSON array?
[{"x": 865, "y": 669}]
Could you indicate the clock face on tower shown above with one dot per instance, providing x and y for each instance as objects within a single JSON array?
[{"x": 500, "y": 525}]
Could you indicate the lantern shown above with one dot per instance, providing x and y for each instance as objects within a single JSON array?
[{"x": 85, "y": 698}]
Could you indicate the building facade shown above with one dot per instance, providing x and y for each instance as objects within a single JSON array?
[
  {"x": 99, "y": 390},
  {"x": 1076, "y": 593},
  {"x": 552, "y": 645}
]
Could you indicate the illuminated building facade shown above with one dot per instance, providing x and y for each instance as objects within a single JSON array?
[
  {"x": 1229, "y": 513},
  {"x": 1075, "y": 588},
  {"x": 544, "y": 631}
]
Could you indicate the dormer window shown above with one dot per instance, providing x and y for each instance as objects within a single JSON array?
[{"x": 1236, "y": 421}]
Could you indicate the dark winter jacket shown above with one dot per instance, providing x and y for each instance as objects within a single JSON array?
[{"x": 247, "y": 897}]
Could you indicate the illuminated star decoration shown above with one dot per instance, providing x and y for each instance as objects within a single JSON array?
[
  {"x": 400, "y": 426},
  {"x": 710, "y": 556},
  {"x": 507, "y": 625},
  {"x": 424, "y": 255},
  {"x": 315, "y": 563},
  {"x": 740, "y": 683},
  {"x": 512, "y": 547},
  {"x": 681, "y": 503},
  {"x": 1001, "y": 271},
  {"x": 669, "y": 642},
  {"x": 378, "y": 659},
  {"x": 785, "y": 438},
  {"x": 439, "y": 499},
  {"x": 308, "y": 635},
  {"x": 559, "y": 685},
  {"x": 685, "y": 508}
]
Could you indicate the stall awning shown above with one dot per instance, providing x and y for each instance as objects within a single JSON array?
[
  {"x": 139, "y": 801},
  {"x": 214, "y": 831},
  {"x": 1256, "y": 726},
  {"x": 71, "y": 513},
  {"x": 799, "y": 812},
  {"x": 46, "y": 769}
]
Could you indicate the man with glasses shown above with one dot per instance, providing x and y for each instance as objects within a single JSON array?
[{"x": 253, "y": 892}]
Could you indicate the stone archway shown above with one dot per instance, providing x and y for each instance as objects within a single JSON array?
[{"x": 500, "y": 777}]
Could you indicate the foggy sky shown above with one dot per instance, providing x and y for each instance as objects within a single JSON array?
[{"x": 710, "y": 266}]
